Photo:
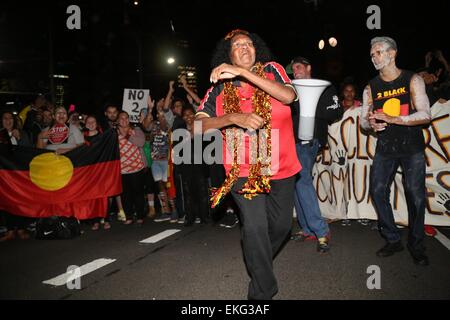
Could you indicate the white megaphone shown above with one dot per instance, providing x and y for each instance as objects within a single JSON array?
[{"x": 309, "y": 92}]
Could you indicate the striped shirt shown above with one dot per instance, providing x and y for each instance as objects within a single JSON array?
[{"x": 130, "y": 157}]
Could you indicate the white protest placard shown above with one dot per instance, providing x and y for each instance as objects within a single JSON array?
[{"x": 134, "y": 100}]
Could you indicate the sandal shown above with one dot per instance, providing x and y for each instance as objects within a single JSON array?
[
  {"x": 128, "y": 222},
  {"x": 106, "y": 226}
]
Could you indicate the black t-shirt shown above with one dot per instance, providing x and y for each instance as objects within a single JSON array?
[
  {"x": 395, "y": 97},
  {"x": 178, "y": 123},
  {"x": 90, "y": 139},
  {"x": 328, "y": 111}
]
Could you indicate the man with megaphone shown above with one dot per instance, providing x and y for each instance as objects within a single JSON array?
[
  {"x": 318, "y": 106},
  {"x": 396, "y": 106}
]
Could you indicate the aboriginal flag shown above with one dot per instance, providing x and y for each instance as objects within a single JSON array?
[{"x": 38, "y": 183}]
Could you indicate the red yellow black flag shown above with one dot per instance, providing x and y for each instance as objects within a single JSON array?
[{"x": 39, "y": 183}]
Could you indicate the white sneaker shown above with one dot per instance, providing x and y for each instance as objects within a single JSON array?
[
  {"x": 197, "y": 220},
  {"x": 181, "y": 221},
  {"x": 364, "y": 222}
]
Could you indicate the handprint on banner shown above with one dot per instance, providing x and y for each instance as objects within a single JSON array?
[
  {"x": 340, "y": 155},
  {"x": 445, "y": 202}
]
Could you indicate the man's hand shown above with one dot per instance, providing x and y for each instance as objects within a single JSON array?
[
  {"x": 171, "y": 83},
  {"x": 150, "y": 103},
  {"x": 141, "y": 116},
  {"x": 384, "y": 117},
  {"x": 224, "y": 71},
  {"x": 376, "y": 126},
  {"x": 16, "y": 134},
  {"x": 248, "y": 121}
]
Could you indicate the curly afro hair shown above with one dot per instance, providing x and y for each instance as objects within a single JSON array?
[{"x": 223, "y": 48}]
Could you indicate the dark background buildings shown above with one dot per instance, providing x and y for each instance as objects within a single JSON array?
[{"x": 123, "y": 45}]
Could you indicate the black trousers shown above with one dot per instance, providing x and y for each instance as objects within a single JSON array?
[
  {"x": 382, "y": 174},
  {"x": 133, "y": 194},
  {"x": 195, "y": 192},
  {"x": 179, "y": 198},
  {"x": 266, "y": 223}
]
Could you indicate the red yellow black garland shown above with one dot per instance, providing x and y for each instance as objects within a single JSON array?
[{"x": 259, "y": 173}]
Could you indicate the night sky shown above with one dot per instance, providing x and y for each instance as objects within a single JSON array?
[{"x": 103, "y": 57}]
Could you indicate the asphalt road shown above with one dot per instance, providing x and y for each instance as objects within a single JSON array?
[{"x": 205, "y": 262}]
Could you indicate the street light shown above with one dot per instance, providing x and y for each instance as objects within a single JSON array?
[
  {"x": 171, "y": 60},
  {"x": 321, "y": 44},
  {"x": 332, "y": 41}
]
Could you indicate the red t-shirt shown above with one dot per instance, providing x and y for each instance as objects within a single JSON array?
[{"x": 284, "y": 161}]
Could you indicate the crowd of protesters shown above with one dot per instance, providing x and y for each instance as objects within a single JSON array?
[
  {"x": 154, "y": 187},
  {"x": 144, "y": 156}
]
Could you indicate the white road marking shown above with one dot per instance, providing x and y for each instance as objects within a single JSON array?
[
  {"x": 442, "y": 239},
  {"x": 160, "y": 236},
  {"x": 84, "y": 269}
]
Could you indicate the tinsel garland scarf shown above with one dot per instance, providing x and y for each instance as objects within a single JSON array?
[{"x": 259, "y": 173}]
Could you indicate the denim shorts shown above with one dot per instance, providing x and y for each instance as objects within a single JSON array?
[{"x": 159, "y": 170}]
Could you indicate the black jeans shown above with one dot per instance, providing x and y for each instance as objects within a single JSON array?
[
  {"x": 195, "y": 193},
  {"x": 382, "y": 175},
  {"x": 133, "y": 194},
  {"x": 266, "y": 223},
  {"x": 179, "y": 200}
]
